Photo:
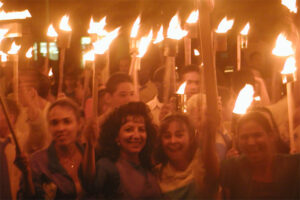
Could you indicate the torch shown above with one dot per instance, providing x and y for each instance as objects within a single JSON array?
[
  {"x": 192, "y": 28},
  {"x": 133, "y": 44},
  {"x": 221, "y": 36},
  {"x": 284, "y": 48},
  {"x": 13, "y": 52},
  {"x": 29, "y": 56},
  {"x": 181, "y": 99},
  {"x": 89, "y": 63},
  {"x": 174, "y": 34},
  {"x": 64, "y": 42},
  {"x": 242, "y": 43},
  {"x": 242, "y": 103},
  {"x": 52, "y": 36}
]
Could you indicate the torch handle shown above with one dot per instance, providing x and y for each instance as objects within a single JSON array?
[
  {"x": 290, "y": 105},
  {"x": 95, "y": 92},
  {"x": 61, "y": 69},
  {"x": 18, "y": 149}
]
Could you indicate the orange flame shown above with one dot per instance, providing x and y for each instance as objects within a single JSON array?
[
  {"x": 225, "y": 25},
  {"x": 196, "y": 52},
  {"x": 245, "y": 29},
  {"x": 283, "y": 46},
  {"x": 51, "y": 31},
  {"x": 64, "y": 24},
  {"x": 29, "y": 53},
  {"x": 14, "y": 48},
  {"x": 98, "y": 27},
  {"x": 160, "y": 36},
  {"x": 135, "y": 27},
  {"x": 1, "y": 4},
  {"x": 101, "y": 45},
  {"x": 50, "y": 74},
  {"x": 3, "y": 56},
  {"x": 193, "y": 18},
  {"x": 89, "y": 56},
  {"x": 289, "y": 67},
  {"x": 174, "y": 31},
  {"x": 14, "y": 15},
  {"x": 244, "y": 100},
  {"x": 257, "y": 98},
  {"x": 290, "y": 4},
  {"x": 144, "y": 43},
  {"x": 181, "y": 88}
]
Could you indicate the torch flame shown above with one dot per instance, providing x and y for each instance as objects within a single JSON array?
[
  {"x": 290, "y": 4},
  {"x": 89, "y": 56},
  {"x": 244, "y": 100},
  {"x": 51, "y": 31},
  {"x": 135, "y": 28},
  {"x": 225, "y": 25},
  {"x": 2, "y": 33},
  {"x": 289, "y": 66},
  {"x": 97, "y": 27},
  {"x": 257, "y": 98},
  {"x": 3, "y": 56},
  {"x": 29, "y": 53},
  {"x": 174, "y": 31},
  {"x": 1, "y": 4},
  {"x": 64, "y": 24},
  {"x": 50, "y": 74},
  {"x": 160, "y": 36},
  {"x": 144, "y": 43},
  {"x": 193, "y": 18},
  {"x": 14, "y": 48},
  {"x": 196, "y": 52},
  {"x": 283, "y": 46},
  {"x": 14, "y": 15},
  {"x": 181, "y": 88},
  {"x": 245, "y": 29},
  {"x": 101, "y": 45}
]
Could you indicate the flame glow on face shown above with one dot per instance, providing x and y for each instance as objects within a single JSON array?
[
  {"x": 181, "y": 88},
  {"x": 245, "y": 29},
  {"x": 174, "y": 31},
  {"x": 64, "y": 24},
  {"x": 225, "y": 25},
  {"x": 3, "y": 56},
  {"x": 29, "y": 53},
  {"x": 290, "y": 4},
  {"x": 51, "y": 31},
  {"x": 14, "y": 48},
  {"x": 283, "y": 47},
  {"x": 14, "y": 15},
  {"x": 135, "y": 28},
  {"x": 89, "y": 56},
  {"x": 160, "y": 35},
  {"x": 98, "y": 27},
  {"x": 50, "y": 74},
  {"x": 144, "y": 43},
  {"x": 193, "y": 18},
  {"x": 196, "y": 52},
  {"x": 101, "y": 45},
  {"x": 244, "y": 100}
]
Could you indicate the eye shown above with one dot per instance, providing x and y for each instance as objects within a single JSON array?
[
  {"x": 67, "y": 121},
  {"x": 129, "y": 129},
  {"x": 142, "y": 129},
  {"x": 166, "y": 135},
  {"x": 53, "y": 122}
]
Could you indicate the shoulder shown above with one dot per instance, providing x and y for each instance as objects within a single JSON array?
[{"x": 105, "y": 165}]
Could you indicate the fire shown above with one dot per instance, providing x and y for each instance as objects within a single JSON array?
[
  {"x": 244, "y": 100},
  {"x": 101, "y": 45},
  {"x": 50, "y": 74},
  {"x": 289, "y": 66},
  {"x": 174, "y": 31},
  {"x": 89, "y": 56},
  {"x": 257, "y": 98},
  {"x": 196, "y": 52},
  {"x": 14, "y": 48},
  {"x": 245, "y": 29},
  {"x": 135, "y": 28},
  {"x": 160, "y": 36},
  {"x": 14, "y": 15},
  {"x": 29, "y": 53},
  {"x": 64, "y": 24},
  {"x": 51, "y": 31},
  {"x": 225, "y": 25},
  {"x": 181, "y": 88},
  {"x": 98, "y": 27},
  {"x": 144, "y": 43},
  {"x": 1, "y": 4},
  {"x": 290, "y": 4},
  {"x": 283, "y": 46},
  {"x": 3, "y": 56},
  {"x": 193, "y": 18}
]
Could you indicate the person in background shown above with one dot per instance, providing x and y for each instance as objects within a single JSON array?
[{"x": 69, "y": 84}]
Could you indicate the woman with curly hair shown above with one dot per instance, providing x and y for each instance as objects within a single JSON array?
[{"x": 126, "y": 142}]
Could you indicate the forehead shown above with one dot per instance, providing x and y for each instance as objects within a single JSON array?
[
  {"x": 250, "y": 127},
  {"x": 58, "y": 112},
  {"x": 124, "y": 87},
  {"x": 134, "y": 118},
  {"x": 176, "y": 125},
  {"x": 191, "y": 76}
]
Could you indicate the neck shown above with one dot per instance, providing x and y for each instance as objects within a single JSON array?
[
  {"x": 66, "y": 150},
  {"x": 179, "y": 164},
  {"x": 134, "y": 158}
]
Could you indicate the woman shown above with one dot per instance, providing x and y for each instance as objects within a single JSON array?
[
  {"x": 260, "y": 173},
  {"x": 183, "y": 171},
  {"x": 126, "y": 143},
  {"x": 55, "y": 169}
]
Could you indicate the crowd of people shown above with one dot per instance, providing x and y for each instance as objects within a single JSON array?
[{"x": 138, "y": 148}]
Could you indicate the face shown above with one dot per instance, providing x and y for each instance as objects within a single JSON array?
[
  {"x": 123, "y": 94},
  {"x": 79, "y": 91},
  {"x": 192, "y": 83},
  {"x": 176, "y": 141},
  {"x": 254, "y": 142},
  {"x": 63, "y": 125},
  {"x": 132, "y": 135}
]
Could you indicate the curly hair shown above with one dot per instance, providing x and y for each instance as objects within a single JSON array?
[
  {"x": 111, "y": 126},
  {"x": 159, "y": 153}
]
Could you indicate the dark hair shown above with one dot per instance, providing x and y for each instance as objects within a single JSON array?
[
  {"x": 159, "y": 153},
  {"x": 37, "y": 80},
  {"x": 66, "y": 102},
  {"x": 112, "y": 125},
  {"x": 187, "y": 69},
  {"x": 158, "y": 74},
  {"x": 115, "y": 80}
]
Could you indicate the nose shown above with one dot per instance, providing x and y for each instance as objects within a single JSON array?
[
  {"x": 172, "y": 139},
  {"x": 250, "y": 141},
  {"x": 59, "y": 127}
]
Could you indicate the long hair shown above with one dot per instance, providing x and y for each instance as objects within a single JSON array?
[{"x": 110, "y": 129}]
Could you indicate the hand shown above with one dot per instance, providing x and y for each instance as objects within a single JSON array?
[
  {"x": 22, "y": 162},
  {"x": 232, "y": 153}
]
